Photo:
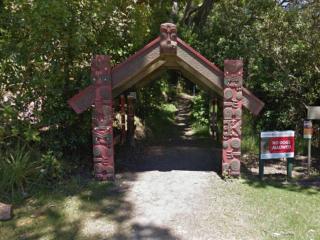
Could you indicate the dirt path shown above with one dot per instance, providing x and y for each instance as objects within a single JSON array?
[{"x": 176, "y": 194}]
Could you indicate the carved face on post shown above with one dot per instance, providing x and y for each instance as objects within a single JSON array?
[
  {"x": 233, "y": 74},
  {"x": 99, "y": 70},
  {"x": 233, "y": 68},
  {"x": 168, "y": 36}
]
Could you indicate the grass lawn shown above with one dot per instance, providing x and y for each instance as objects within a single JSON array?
[
  {"x": 283, "y": 211},
  {"x": 162, "y": 123},
  {"x": 81, "y": 209},
  {"x": 70, "y": 211}
]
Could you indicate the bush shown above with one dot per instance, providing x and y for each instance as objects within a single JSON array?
[
  {"x": 200, "y": 109},
  {"x": 18, "y": 170},
  {"x": 250, "y": 144},
  {"x": 51, "y": 168}
]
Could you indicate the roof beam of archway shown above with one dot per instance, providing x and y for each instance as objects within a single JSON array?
[
  {"x": 198, "y": 65},
  {"x": 191, "y": 63},
  {"x": 126, "y": 74},
  {"x": 165, "y": 53}
]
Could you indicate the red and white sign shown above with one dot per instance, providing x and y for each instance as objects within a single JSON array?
[{"x": 277, "y": 144}]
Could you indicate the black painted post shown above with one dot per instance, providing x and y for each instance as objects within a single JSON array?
[
  {"x": 289, "y": 167},
  {"x": 261, "y": 161}
]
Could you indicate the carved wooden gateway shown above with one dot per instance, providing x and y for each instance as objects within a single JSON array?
[{"x": 165, "y": 52}]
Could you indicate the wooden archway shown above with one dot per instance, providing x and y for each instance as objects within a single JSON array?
[{"x": 165, "y": 52}]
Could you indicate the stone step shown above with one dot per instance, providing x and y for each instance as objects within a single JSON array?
[{"x": 5, "y": 212}]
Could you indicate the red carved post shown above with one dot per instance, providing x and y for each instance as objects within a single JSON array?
[
  {"x": 123, "y": 118},
  {"x": 102, "y": 117},
  {"x": 232, "y": 112}
]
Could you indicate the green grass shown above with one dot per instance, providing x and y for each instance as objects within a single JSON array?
[
  {"x": 282, "y": 211},
  {"x": 161, "y": 122},
  {"x": 200, "y": 130},
  {"x": 63, "y": 212},
  {"x": 250, "y": 144}
]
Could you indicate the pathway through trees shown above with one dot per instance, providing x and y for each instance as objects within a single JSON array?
[{"x": 176, "y": 190}]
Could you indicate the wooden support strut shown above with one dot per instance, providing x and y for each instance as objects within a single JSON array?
[
  {"x": 123, "y": 118},
  {"x": 232, "y": 117},
  {"x": 131, "y": 127},
  {"x": 214, "y": 127},
  {"x": 102, "y": 119}
]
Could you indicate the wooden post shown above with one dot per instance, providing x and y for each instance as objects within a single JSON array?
[
  {"x": 123, "y": 118},
  {"x": 232, "y": 115},
  {"x": 130, "y": 123},
  {"x": 214, "y": 118},
  {"x": 309, "y": 156},
  {"x": 307, "y": 134},
  {"x": 102, "y": 119},
  {"x": 289, "y": 167},
  {"x": 261, "y": 161}
]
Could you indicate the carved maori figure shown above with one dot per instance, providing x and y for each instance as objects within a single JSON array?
[
  {"x": 232, "y": 103},
  {"x": 102, "y": 131},
  {"x": 168, "y": 36},
  {"x": 99, "y": 68}
]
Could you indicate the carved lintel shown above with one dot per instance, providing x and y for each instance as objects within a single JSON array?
[{"x": 168, "y": 36}]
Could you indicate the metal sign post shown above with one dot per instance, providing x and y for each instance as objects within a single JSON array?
[
  {"x": 309, "y": 156},
  {"x": 307, "y": 134}
]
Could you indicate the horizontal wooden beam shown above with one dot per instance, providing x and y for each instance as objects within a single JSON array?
[{"x": 83, "y": 100}]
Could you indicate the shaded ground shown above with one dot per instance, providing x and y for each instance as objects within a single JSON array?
[{"x": 276, "y": 169}]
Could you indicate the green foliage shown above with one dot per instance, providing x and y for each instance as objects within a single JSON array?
[
  {"x": 301, "y": 145},
  {"x": 279, "y": 48},
  {"x": 200, "y": 109},
  {"x": 152, "y": 96},
  {"x": 161, "y": 122},
  {"x": 46, "y": 49},
  {"x": 200, "y": 130},
  {"x": 18, "y": 170},
  {"x": 51, "y": 167},
  {"x": 250, "y": 144},
  {"x": 169, "y": 108},
  {"x": 250, "y": 134}
]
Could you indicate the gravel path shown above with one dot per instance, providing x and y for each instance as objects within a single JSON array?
[{"x": 176, "y": 194}]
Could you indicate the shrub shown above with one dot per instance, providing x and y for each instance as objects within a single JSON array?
[
  {"x": 17, "y": 170},
  {"x": 200, "y": 109},
  {"x": 51, "y": 168}
]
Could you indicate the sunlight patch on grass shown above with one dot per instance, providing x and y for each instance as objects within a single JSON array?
[
  {"x": 283, "y": 211},
  {"x": 161, "y": 122},
  {"x": 169, "y": 107},
  {"x": 198, "y": 130},
  {"x": 74, "y": 210}
]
